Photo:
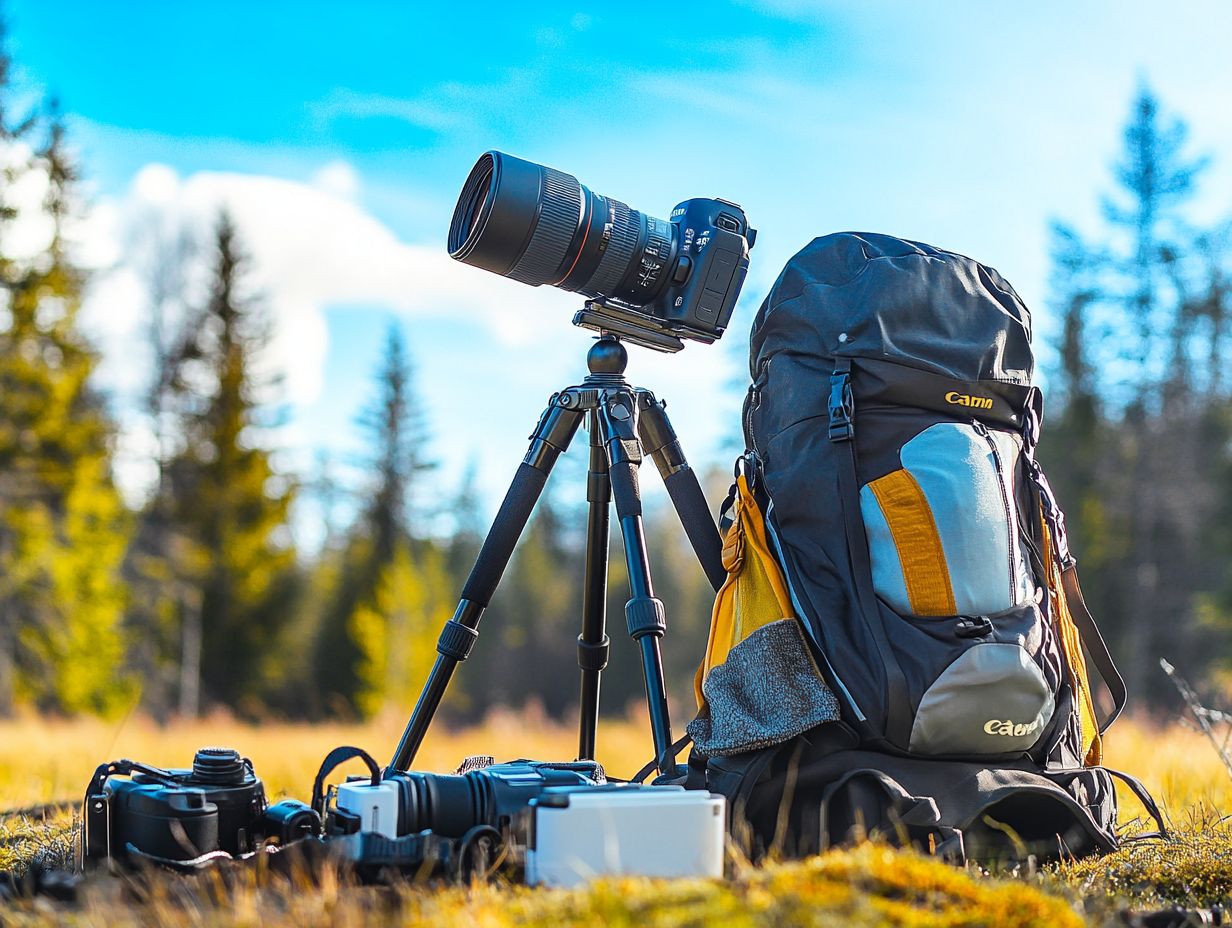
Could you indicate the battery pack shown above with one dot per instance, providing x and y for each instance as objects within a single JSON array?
[
  {"x": 376, "y": 806},
  {"x": 624, "y": 830}
]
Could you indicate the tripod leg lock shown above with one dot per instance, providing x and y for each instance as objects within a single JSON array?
[
  {"x": 592, "y": 655},
  {"x": 645, "y": 616},
  {"x": 456, "y": 640}
]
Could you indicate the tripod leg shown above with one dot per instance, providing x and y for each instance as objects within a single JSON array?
[
  {"x": 593, "y": 643},
  {"x": 660, "y": 441},
  {"x": 643, "y": 613},
  {"x": 551, "y": 437}
]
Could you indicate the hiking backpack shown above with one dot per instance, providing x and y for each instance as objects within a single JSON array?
[{"x": 901, "y": 605}]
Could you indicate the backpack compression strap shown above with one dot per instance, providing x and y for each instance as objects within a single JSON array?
[
  {"x": 1093, "y": 644},
  {"x": 1092, "y": 640}
]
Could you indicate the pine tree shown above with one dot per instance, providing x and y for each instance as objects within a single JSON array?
[
  {"x": 398, "y": 430},
  {"x": 227, "y": 496},
  {"x": 1137, "y": 451},
  {"x": 164, "y": 566},
  {"x": 63, "y": 527},
  {"x": 356, "y": 625}
]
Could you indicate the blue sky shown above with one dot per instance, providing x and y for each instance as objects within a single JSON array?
[{"x": 342, "y": 133}]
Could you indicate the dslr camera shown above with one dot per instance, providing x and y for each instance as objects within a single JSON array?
[
  {"x": 134, "y": 812},
  {"x": 651, "y": 281}
]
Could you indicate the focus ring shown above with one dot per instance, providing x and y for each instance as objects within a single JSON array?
[
  {"x": 626, "y": 232},
  {"x": 559, "y": 215}
]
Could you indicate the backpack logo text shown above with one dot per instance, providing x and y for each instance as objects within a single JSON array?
[
  {"x": 1008, "y": 727},
  {"x": 963, "y": 399}
]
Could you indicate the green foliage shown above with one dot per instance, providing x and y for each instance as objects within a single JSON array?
[
  {"x": 1192, "y": 870},
  {"x": 226, "y": 496},
  {"x": 63, "y": 528},
  {"x": 43, "y": 838},
  {"x": 866, "y": 886},
  {"x": 396, "y": 631}
]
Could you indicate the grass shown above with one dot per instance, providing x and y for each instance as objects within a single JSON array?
[{"x": 44, "y": 761}]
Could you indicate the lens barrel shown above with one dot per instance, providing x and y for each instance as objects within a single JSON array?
[{"x": 538, "y": 225}]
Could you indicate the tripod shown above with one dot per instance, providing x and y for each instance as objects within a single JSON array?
[{"x": 624, "y": 423}]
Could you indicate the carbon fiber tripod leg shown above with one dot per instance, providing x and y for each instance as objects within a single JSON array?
[
  {"x": 552, "y": 435},
  {"x": 593, "y": 643},
  {"x": 644, "y": 613},
  {"x": 660, "y": 441}
]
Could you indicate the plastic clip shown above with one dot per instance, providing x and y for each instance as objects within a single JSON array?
[{"x": 842, "y": 407}]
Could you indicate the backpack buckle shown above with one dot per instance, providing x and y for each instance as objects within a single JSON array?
[{"x": 842, "y": 407}]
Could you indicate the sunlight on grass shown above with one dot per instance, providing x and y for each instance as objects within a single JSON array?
[
  {"x": 44, "y": 760},
  {"x": 48, "y": 760}
]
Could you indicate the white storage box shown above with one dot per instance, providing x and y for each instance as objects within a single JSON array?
[{"x": 657, "y": 831}]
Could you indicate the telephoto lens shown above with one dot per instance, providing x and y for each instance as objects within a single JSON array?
[
  {"x": 538, "y": 225},
  {"x": 451, "y": 805}
]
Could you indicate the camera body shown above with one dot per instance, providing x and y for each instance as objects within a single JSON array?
[
  {"x": 185, "y": 817},
  {"x": 694, "y": 264},
  {"x": 650, "y": 280}
]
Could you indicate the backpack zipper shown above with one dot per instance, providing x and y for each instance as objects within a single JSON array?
[
  {"x": 982, "y": 430},
  {"x": 751, "y": 402}
]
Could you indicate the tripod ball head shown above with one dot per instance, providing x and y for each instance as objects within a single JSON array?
[{"x": 607, "y": 356}]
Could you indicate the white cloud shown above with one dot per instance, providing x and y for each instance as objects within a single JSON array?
[
  {"x": 427, "y": 114},
  {"x": 312, "y": 247},
  {"x": 25, "y": 193},
  {"x": 339, "y": 179}
]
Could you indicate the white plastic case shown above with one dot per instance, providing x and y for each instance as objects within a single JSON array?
[{"x": 658, "y": 831}]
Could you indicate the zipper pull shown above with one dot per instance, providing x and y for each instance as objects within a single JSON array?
[{"x": 982, "y": 430}]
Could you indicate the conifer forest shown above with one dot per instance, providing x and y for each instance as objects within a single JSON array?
[{"x": 196, "y": 596}]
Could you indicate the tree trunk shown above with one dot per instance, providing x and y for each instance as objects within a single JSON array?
[{"x": 190, "y": 659}]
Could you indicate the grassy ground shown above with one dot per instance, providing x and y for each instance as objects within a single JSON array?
[{"x": 43, "y": 761}]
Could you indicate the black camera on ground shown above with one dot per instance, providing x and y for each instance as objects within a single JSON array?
[
  {"x": 134, "y": 812},
  {"x": 649, "y": 280}
]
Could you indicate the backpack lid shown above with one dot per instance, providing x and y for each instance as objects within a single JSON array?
[{"x": 861, "y": 294}]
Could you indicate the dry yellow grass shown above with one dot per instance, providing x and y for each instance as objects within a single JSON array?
[
  {"x": 48, "y": 760},
  {"x": 45, "y": 760},
  {"x": 1177, "y": 764}
]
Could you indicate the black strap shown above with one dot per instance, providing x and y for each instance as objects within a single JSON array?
[
  {"x": 1092, "y": 641},
  {"x": 675, "y": 749},
  {"x": 696, "y": 777},
  {"x": 1144, "y": 796},
  {"x": 842, "y": 431},
  {"x": 332, "y": 760},
  {"x": 1094, "y": 647},
  {"x": 911, "y": 810}
]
